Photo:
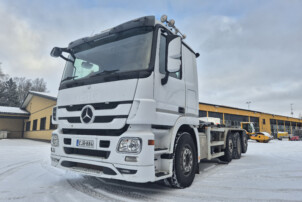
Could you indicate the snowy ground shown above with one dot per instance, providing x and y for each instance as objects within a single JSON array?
[{"x": 271, "y": 171}]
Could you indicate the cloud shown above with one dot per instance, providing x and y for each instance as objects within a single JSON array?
[
  {"x": 254, "y": 57},
  {"x": 249, "y": 50}
]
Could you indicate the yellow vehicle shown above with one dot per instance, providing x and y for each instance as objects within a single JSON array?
[
  {"x": 249, "y": 128},
  {"x": 262, "y": 137},
  {"x": 281, "y": 135}
]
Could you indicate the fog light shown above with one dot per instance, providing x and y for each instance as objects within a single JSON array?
[
  {"x": 54, "y": 161},
  {"x": 130, "y": 145},
  {"x": 131, "y": 158},
  {"x": 126, "y": 171}
]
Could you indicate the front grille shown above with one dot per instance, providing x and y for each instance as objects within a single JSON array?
[
  {"x": 97, "y": 106},
  {"x": 97, "y": 119},
  {"x": 87, "y": 152},
  {"x": 98, "y": 132}
]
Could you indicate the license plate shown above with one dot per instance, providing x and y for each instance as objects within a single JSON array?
[{"x": 85, "y": 143}]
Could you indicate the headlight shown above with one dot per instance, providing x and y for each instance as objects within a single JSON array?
[
  {"x": 130, "y": 145},
  {"x": 54, "y": 140}
]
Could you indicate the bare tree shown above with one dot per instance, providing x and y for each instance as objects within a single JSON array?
[
  {"x": 2, "y": 75},
  {"x": 39, "y": 85},
  {"x": 23, "y": 86}
]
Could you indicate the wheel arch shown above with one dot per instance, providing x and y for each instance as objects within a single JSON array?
[{"x": 183, "y": 126}]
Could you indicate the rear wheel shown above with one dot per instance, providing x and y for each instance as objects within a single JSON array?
[
  {"x": 184, "y": 161},
  {"x": 244, "y": 143},
  {"x": 228, "y": 151},
  {"x": 237, "y": 146}
]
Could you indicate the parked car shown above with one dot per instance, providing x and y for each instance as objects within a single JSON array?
[{"x": 294, "y": 138}]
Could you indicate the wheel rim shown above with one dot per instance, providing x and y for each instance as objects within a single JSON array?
[
  {"x": 187, "y": 160},
  {"x": 231, "y": 145}
]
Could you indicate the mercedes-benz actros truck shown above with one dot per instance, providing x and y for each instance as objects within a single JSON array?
[{"x": 127, "y": 107}]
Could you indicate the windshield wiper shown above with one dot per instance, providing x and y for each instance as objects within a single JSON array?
[
  {"x": 105, "y": 72},
  {"x": 69, "y": 78}
]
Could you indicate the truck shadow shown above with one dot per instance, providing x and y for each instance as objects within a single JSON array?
[{"x": 110, "y": 189}]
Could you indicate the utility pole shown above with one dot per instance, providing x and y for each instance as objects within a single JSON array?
[
  {"x": 291, "y": 109},
  {"x": 248, "y": 104}
]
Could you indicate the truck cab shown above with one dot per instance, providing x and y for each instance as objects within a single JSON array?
[
  {"x": 249, "y": 128},
  {"x": 124, "y": 95}
]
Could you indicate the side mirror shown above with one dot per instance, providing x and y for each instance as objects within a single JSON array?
[
  {"x": 174, "y": 54},
  {"x": 56, "y": 52}
]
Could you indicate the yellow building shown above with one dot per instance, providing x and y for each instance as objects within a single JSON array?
[
  {"x": 33, "y": 120},
  {"x": 12, "y": 120},
  {"x": 264, "y": 122},
  {"x": 38, "y": 125}
]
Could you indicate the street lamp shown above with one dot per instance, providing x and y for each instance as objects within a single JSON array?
[{"x": 248, "y": 104}]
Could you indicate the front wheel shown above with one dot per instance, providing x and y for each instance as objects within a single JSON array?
[{"x": 184, "y": 161}]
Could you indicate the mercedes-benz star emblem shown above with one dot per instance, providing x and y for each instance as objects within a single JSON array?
[{"x": 87, "y": 114}]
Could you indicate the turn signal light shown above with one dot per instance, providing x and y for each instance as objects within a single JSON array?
[{"x": 151, "y": 142}]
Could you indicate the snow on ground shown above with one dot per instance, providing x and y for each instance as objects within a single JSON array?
[{"x": 267, "y": 172}]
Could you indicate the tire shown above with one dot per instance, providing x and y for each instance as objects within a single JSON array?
[
  {"x": 244, "y": 143},
  {"x": 237, "y": 146},
  {"x": 229, "y": 148},
  {"x": 184, "y": 161}
]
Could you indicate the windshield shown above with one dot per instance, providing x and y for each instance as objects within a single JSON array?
[{"x": 116, "y": 53}]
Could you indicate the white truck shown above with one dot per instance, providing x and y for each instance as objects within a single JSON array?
[{"x": 127, "y": 107}]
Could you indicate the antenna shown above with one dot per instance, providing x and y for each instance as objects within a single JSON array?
[{"x": 171, "y": 23}]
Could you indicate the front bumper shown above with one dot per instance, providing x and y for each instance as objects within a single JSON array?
[
  {"x": 139, "y": 174},
  {"x": 115, "y": 166}
]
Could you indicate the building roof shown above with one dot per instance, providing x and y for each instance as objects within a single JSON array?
[
  {"x": 12, "y": 110},
  {"x": 229, "y": 107},
  {"x": 30, "y": 94}
]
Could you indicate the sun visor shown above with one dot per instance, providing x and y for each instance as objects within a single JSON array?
[{"x": 139, "y": 22}]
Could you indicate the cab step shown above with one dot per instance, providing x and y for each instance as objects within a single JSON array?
[
  {"x": 160, "y": 150},
  {"x": 161, "y": 174}
]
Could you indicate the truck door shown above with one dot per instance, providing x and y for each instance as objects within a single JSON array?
[{"x": 170, "y": 97}]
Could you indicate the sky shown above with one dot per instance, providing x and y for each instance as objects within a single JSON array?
[{"x": 249, "y": 50}]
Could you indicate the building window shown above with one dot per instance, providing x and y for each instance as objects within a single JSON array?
[
  {"x": 263, "y": 121},
  {"x": 202, "y": 113},
  {"x": 35, "y": 124},
  {"x": 42, "y": 123},
  {"x": 216, "y": 115},
  {"x": 27, "y": 126},
  {"x": 52, "y": 126}
]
